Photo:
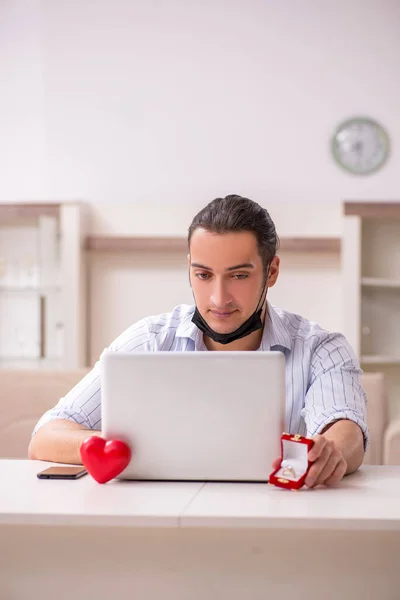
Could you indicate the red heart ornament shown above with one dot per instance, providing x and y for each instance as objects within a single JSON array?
[{"x": 103, "y": 459}]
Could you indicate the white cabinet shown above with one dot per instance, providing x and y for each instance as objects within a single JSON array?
[
  {"x": 42, "y": 285},
  {"x": 371, "y": 271}
]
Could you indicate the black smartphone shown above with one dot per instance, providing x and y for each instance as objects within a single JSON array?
[{"x": 62, "y": 473}]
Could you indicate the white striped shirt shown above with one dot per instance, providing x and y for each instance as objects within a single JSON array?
[{"x": 322, "y": 372}]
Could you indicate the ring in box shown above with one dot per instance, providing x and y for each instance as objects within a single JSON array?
[{"x": 295, "y": 465}]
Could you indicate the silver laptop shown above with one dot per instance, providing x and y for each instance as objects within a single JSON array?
[{"x": 195, "y": 416}]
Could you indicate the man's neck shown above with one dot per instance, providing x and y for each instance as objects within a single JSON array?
[{"x": 251, "y": 342}]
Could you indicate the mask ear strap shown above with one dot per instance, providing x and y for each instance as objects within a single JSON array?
[{"x": 260, "y": 303}]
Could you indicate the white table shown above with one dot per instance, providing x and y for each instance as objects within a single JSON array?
[{"x": 186, "y": 541}]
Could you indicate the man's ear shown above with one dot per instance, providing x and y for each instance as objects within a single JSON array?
[{"x": 273, "y": 271}]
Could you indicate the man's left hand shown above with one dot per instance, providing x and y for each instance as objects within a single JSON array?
[{"x": 329, "y": 464}]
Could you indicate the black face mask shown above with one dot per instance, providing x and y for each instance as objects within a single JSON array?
[{"x": 253, "y": 323}]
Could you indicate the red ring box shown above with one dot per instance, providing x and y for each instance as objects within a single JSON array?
[{"x": 294, "y": 454}]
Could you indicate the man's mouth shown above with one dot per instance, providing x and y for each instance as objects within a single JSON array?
[{"x": 222, "y": 314}]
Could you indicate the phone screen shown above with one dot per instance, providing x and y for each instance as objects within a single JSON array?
[{"x": 62, "y": 473}]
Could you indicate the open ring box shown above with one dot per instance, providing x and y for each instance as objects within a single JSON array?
[{"x": 295, "y": 465}]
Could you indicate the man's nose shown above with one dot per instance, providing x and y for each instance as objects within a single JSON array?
[{"x": 221, "y": 296}]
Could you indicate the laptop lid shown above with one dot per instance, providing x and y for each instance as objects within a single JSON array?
[{"x": 195, "y": 416}]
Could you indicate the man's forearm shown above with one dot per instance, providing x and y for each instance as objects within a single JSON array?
[
  {"x": 59, "y": 441},
  {"x": 348, "y": 438}
]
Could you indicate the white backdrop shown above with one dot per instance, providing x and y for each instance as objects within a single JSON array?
[{"x": 155, "y": 107}]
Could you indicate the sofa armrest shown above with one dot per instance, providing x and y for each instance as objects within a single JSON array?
[
  {"x": 391, "y": 444},
  {"x": 24, "y": 396},
  {"x": 375, "y": 390}
]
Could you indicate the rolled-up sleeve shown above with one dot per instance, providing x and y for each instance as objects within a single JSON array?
[
  {"x": 83, "y": 403},
  {"x": 335, "y": 390}
]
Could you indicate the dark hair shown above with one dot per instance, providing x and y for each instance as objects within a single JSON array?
[{"x": 235, "y": 213}]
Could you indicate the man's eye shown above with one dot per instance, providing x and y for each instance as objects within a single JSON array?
[
  {"x": 203, "y": 276},
  {"x": 240, "y": 276}
]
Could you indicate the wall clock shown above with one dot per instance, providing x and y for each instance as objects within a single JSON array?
[{"x": 360, "y": 145}]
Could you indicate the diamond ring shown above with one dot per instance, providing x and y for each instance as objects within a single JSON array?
[{"x": 288, "y": 471}]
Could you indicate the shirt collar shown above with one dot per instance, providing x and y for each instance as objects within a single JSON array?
[{"x": 275, "y": 331}]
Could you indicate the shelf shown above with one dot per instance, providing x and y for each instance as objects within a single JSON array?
[
  {"x": 13, "y": 212},
  {"x": 377, "y": 282},
  {"x": 380, "y": 360},
  {"x": 373, "y": 210},
  {"x": 31, "y": 290},
  {"x": 30, "y": 363},
  {"x": 322, "y": 245},
  {"x": 100, "y": 243},
  {"x": 45, "y": 286}
]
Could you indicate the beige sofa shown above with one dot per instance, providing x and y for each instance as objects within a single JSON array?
[
  {"x": 391, "y": 444},
  {"x": 374, "y": 387},
  {"x": 26, "y": 395}
]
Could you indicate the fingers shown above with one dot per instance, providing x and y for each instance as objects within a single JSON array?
[
  {"x": 328, "y": 467},
  {"x": 318, "y": 466},
  {"x": 276, "y": 463},
  {"x": 317, "y": 448},
  {"x": 337, "y": 474}
]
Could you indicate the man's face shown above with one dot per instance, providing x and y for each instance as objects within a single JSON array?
[{"x": 226, "y": 275}]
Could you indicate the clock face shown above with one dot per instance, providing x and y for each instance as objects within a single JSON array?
[{"x": 360, "y": 145}]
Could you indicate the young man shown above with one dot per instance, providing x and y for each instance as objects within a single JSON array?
[{"x": 232, "y": 264}]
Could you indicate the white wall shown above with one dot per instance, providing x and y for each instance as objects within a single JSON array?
[
  {"x": 178, "y": 101},
  {"x": 162, "y": 105},
  {"x": 22, "y": 90}
]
